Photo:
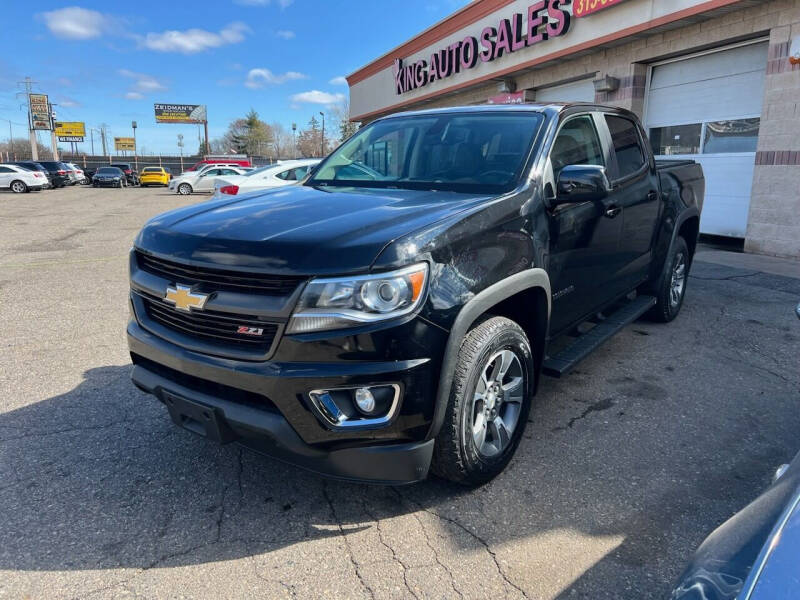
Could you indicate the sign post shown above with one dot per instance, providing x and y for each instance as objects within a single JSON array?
[{"x": 135, "y": 157}]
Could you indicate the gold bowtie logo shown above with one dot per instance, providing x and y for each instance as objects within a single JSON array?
[{"x": 183, "y": 298}]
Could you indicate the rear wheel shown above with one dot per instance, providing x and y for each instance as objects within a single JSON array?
[
  {"x": 672, "y": 287},
  {"x": 19, "y": 187},
  {"x": 489, "y": 403}
]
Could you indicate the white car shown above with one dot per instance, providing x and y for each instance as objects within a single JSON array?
[
  {"x": 284, "y": 173},
  {"x": 77, "y": 173},
  {"x": 203, "y": 179},
  {"x": 20, "y": 180}
]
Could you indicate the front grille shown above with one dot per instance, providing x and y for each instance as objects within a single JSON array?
[
  {"x": 219, "y": 279},
  {"x": 212, "y": 326}
]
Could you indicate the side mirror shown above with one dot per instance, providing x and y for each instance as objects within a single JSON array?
[{"x": 582, "y": 183}]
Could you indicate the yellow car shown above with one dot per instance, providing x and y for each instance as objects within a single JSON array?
[{"x": 153, "y": 176}]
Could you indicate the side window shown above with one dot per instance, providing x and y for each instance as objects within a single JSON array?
[
  {"x": 627, "y": 145},
  {"x": 577, "y": 143},
  {"x": 5, "y": 170},
  {"x": 285, "y": 175}
]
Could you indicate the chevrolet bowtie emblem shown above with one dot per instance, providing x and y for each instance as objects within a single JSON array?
[{"x": 183, "y": 298}]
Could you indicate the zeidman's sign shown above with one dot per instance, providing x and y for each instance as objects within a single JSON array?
[
  {"x": 180, "y": 113},
  {"x": 542, "y": 21}
]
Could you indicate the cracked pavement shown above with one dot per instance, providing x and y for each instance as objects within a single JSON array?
[{"x": 626, "y": 464}]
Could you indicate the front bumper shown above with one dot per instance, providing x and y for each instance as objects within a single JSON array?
[{"x": 265, "y": 406}]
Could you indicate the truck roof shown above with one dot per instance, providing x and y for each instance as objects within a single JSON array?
[{"x": 553, "y": 107}]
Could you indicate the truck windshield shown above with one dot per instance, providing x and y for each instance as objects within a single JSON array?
[{"x": 461, "y": 152}]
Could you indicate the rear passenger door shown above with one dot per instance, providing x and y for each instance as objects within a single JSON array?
[
  {"x": 5, "y": 176},
  {"x": 635, "y": 189}
]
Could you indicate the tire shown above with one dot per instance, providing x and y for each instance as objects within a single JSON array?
[
  {"x": 184, "y": 189},
  {"x": 672, "y": 287},
  {"x": 481, "y": 430},
  {"x": 18, "y": 187}
]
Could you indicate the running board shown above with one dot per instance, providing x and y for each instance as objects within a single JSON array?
[{"x": 563, "y": 362}]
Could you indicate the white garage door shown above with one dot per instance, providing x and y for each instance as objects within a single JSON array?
[
  {"x": 708, "y": 108},
  {"x": 576, "y": 91}
]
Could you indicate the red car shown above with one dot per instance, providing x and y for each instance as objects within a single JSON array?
[{"x": 238, "y": 160}]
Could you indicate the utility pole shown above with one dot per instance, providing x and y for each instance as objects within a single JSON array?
[
  {"x": 103, "y": 137},
  {"x": 294, "y": 140},
  {"x": 322, "y": 149},
  {"x": 53, "y": 139},
  {"x": 91, "y": 137}
]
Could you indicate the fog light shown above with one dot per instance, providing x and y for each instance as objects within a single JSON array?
[{"x": 365, "y": 400}]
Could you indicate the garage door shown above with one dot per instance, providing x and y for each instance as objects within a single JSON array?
[
  {"x": 576, "y": 91},
  {"x": 708, "y": 108}
]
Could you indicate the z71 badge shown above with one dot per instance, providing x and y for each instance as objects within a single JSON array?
[{"x": 244, "y": 330}]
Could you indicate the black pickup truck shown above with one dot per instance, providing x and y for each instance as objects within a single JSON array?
[{"x": 393, "y": 313}]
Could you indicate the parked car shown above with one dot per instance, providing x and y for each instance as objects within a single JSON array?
[
  {"x": 35, "y": 166},
  {"x": 203, "y": 179},
  {"x": 372, "y": 323},
  {"x": 236, "y": 160},
  {"x": 284, "y": 173},
  {"x": 154, "y": 176},
  {"x": 19, "y": 179},
  {"x": 59, "y": 173},
  {"x": 131, "y": 175},
  {"x": 109, "y": 176},
  {"x": 77, "y": 173}
]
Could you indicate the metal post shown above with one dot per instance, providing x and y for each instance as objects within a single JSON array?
[
  {"x": 205, "y": 132},
  {"x": 294, "y": 140},
  {"x": 91, "y": 137},
  {"x": 135, "y": 153}
]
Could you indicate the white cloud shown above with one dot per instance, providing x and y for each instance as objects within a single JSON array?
[
  {"x": 68, "y": 102},
  {"x": 338, "y": 81},
  {"x": 317, "y": 97},
  {"x": 134, "y": 96},
  {"x": 192, "y": 41},
  {"x": 258, "y": 78},
  {"x": 285, "y": 34},
  {"x": 76, "y": 23},
  {"x": 143, "y": 82}
]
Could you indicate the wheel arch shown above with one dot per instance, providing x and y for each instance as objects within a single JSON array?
[{"x": 525, "y": 298}]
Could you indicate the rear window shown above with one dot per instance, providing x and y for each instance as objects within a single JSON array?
[
  {"x": 151, "y": 170},
  {"x": 108, "y": 170}
]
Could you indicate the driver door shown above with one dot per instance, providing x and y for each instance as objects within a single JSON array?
[
  {"x": 205, "y": 183},
  {"x": 584, "y": 238}
]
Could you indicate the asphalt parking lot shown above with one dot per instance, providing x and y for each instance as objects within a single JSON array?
[{"x": 626, "y": 465}]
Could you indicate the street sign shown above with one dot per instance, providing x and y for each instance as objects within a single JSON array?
[
  {"x": 70, "y": 138},
  {"x": 124, "y": 143}
]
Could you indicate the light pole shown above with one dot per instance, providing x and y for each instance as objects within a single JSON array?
[
  {"x": 322, "y": 148},
  {"x": 180, "y": 145},
  {"x": 135, "y": 153},
  {"x": 294, "y": 140}
]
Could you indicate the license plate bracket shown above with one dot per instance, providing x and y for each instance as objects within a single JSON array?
[{"x": 198, "y": 418}]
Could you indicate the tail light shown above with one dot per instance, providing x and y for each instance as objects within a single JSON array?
[
  {"x": 127, "y": 171},
  {"x": 229, "y": 189},
  {"x": 62, "y": 172},
  {"x": 37, "y": 174}
]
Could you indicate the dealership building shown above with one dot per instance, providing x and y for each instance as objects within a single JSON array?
[{"x": 716, "y": 81}]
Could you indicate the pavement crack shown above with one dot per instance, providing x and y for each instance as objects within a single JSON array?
[
  {"x": 728, "y": 278},
  {"x": 390, "y": 548},
  {"x": 436, "y": 556},
  {"x": 598, "y": 406},
  {"x": 469, "y": 532},
  {"x": 350, "y": 553}
]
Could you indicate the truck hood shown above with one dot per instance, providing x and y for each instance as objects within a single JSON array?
[{"x": 298, "y": 229}]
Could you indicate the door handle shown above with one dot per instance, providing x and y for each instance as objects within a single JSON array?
[
  {"x": 652, "y": 196},
  {"x": 613, "y": 211}
]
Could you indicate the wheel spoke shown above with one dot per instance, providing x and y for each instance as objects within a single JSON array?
[
  {"x": 501, "y": 436},
  {"x": 512, "y": 391},
  {"x": 479, "y": 431},
  {"x": 507, "y": 358}
]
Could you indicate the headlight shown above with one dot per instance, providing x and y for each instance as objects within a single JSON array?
[{"x": 342, "y": 302}]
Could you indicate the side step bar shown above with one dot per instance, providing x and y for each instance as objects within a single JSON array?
[{"x": 563, "y": 362}]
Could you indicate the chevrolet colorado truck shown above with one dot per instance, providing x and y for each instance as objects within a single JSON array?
[{"x": 393, "y": 313}]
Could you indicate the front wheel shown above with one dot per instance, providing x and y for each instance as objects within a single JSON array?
[
  {"x": 19, "y": 187},
  {"x": 672, "y": 287},
  {"x": 184, "y": 189},
  {"x": 488, "y": 405}
]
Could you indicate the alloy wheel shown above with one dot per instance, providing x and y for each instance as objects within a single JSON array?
[
  {"x": 678, "y": 281},
  {"x": 497, "y": 403}
]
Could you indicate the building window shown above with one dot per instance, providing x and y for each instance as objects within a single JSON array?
[
  {"x": 723, "y": 137},
  {"x": 677, "y": 139}
]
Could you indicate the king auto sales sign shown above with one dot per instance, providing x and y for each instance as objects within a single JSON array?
[{"x": 543, "y": 20}]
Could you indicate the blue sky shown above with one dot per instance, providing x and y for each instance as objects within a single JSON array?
[{"x": 108, "y": 62}]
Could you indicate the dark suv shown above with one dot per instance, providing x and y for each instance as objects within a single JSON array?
[
  {"x": 130, "y": 173},
  {"x": 58, "y": 171}
]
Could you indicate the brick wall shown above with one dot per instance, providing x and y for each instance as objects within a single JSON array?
[{"x": 774, "y": 220}]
